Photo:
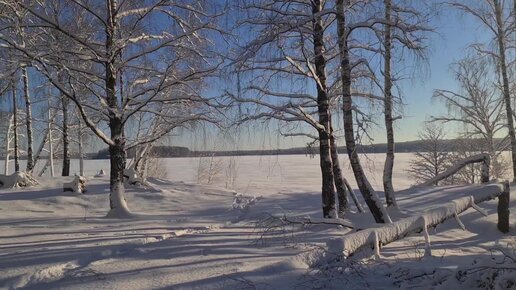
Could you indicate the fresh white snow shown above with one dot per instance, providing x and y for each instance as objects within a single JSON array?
[{"x": 186, "y": 235}]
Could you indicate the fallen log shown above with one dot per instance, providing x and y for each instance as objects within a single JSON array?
[
  {"x": 387, "y": 233},
  {"x": 132, "y": 177},
  {"x": 484, "y": 158}
]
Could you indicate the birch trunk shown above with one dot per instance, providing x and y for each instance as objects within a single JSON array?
[
  {"x": 28, "y": 120},
  {"x": 323, "y": 107},
  {"x": 501, "y": 38},
  {"x": 371, "y": 198},
  {"x": 66, "y": 142},
  {"x": 389, "y": 158},
  {"x": 37, "y": 154},
  {"x": 7, "y": 145},
  {"x": 50, "y": 146},
  {"x": 15, "y": 129},
  {"x": 340, "y": 185}
]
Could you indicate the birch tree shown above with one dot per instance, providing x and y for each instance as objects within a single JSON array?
[
  {"x": 403, "y": 25},
  {"x": 28, "y": 120},
  {"x": 108, "y": 49},
  {"x": 295, "y": 32},
  {"x": 495, "y": 16},
  {"x": 344, "y": 30},
  {"x": 15, "y": 127},
  {"x": 477, "y": 107},
  {"x": 388, "y": 102}
]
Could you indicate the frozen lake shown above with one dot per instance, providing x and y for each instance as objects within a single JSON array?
[{"x": 253, "y": 174}]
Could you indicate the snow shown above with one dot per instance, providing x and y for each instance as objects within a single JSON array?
[{"x": 184, "y": 235}]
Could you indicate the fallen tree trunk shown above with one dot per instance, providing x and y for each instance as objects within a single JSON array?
[
  {"x": 484, "y": 158},
  {"x": 374, "y": 237}
]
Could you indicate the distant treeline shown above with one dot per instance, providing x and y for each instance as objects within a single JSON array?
[{"x": 407, "y": 147}]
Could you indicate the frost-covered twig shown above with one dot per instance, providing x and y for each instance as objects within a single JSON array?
[{"x": 317, "y": 221}]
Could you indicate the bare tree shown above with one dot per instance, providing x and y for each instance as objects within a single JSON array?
[
  {"x": 107, "y": 49},
  {"x": 432, "y": 158},
  {"x": 296, "y": 32},
  {"x": 478, "y": 108},
  {"x": 344, "y": 30},
  {"x": 289, "y": 30},
  {"x": 495, "y": 16},
  {"x": 388, "y": 102},
  {"x": 28, "y": 120}
]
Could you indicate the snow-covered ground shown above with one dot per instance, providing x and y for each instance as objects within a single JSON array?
[{"x": 193, "y": 236}]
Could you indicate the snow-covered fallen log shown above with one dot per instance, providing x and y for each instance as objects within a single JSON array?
[
  {"x": 132, "y": 177},
  {"x": 17, "y": 179},
  {"x": 484, "y": 158},
  {"x": 78, "y": 184},
  {"x": 387, "y": 233}
]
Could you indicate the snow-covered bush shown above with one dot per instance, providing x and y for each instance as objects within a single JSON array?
[
  {"x": 209, "y": 169},
  {"x": 17, "y": 179},
  {"x": 231, "y": 172},
  {"x": 155, "y": 168}
]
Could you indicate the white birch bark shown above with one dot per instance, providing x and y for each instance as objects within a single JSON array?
[{"x": 354, "y": 242}]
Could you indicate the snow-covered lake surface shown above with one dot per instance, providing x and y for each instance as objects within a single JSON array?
[{"x": 189, "y": 235}]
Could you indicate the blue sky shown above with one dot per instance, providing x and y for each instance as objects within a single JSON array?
[{"x": 454, "y": 33}]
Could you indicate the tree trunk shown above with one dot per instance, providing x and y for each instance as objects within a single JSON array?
[
  {"x": 8, "y": 144},
  {"x": 383, "y": 235},
  {"x": 79, "y": 141},
  {"x": 506, "y": 91},
  {"x": 117, "y": 151},
  {"x": 66, "y": 143},
  {"x": 370, "y": 196},
  {"x": 340, "y": 185},
  {"x": 50, "y": 141},
  {"x": 28, "y": 120},
  {"x": 504, "y": 200},
  {"x": 15, "y": 129},
  {"x": 117, "y": 157},
  {"x": 389, "y": 158},
  {"x": 323, "y": 109}
]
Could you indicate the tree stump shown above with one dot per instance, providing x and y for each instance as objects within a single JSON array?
[
  {"x": 503, "y": 208},
  {"x": 77, "y": 185}
]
